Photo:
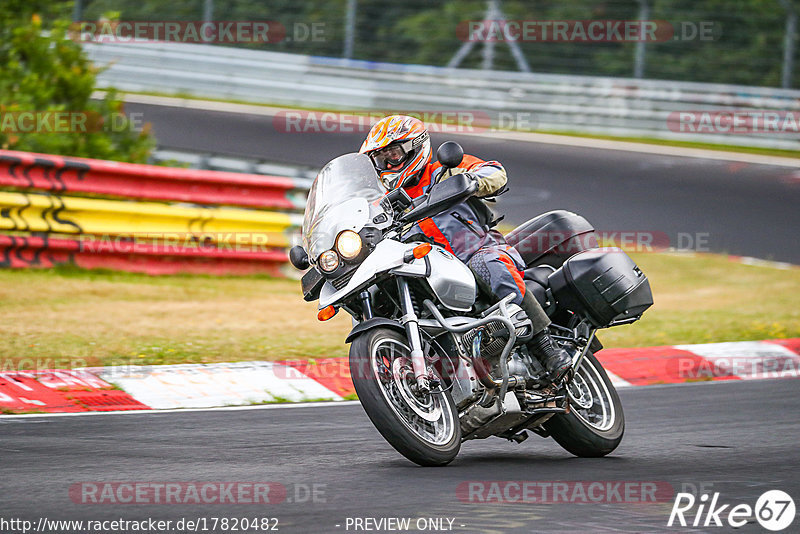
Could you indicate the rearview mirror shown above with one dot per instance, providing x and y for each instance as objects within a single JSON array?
[
  {"x": 450, "y": 154},
  {"x": 298, "y": 258}
]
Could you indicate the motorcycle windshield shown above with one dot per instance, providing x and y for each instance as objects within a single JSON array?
[{"x": 344, "y": 196}]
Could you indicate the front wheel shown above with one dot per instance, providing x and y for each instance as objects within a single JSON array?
[
  {"x": 422, "y": 427},
  {"x": 595, "y": 424}
]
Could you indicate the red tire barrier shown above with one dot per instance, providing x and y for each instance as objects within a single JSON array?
[
  {"x": 109, "y": 178},
  {"x": 35, "y": 230},
  {"x": 18, "y": 251}
]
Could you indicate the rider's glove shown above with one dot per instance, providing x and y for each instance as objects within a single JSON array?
[{"x": 473, "y": 177}]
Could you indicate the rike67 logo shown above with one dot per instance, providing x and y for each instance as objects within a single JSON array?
[{"x": 774, "y": 510}]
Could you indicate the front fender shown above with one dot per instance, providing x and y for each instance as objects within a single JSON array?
[{"x": 369, "y": 324}]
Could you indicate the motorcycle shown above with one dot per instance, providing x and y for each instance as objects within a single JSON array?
[{"x": 435, "y": 360}]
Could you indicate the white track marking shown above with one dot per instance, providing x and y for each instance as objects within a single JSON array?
[
  {"x": 210, "y": 385},
  {"x": 748, "y": 360},
  {"x": 618, "y": 381}
]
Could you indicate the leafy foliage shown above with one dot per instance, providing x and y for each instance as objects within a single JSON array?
[
  {"x": 746, "y": 48},
  {"x": 42, "y": 71}
]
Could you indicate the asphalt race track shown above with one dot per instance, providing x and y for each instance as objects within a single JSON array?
[
  {"x": 689, "y": 203},
  {"x": 736, "y": 438}
]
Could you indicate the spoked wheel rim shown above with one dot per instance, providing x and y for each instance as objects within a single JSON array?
[
  {"x": 429, "y": 417},
  {"x": 590, "y": 399}
]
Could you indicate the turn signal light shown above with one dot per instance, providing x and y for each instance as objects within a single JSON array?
[
  {"x": 326, "y": 313},
  {"x": 422, "y": 250}
]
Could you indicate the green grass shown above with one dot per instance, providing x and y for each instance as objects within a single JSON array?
[
  {"x": 11, "y": 411},
  {"x": 74, "y": 318},
  {"x": 284, "y": 400},
  {"x": 708, "y": 298}
]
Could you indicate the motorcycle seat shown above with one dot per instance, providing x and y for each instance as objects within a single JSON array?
[
  {"x": 538, "y": 274},
  {"x": 536, "y": 282}
]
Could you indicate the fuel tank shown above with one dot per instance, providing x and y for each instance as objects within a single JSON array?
[{"x": 451, "y": 281}]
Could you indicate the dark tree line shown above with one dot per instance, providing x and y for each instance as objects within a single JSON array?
[{"x": 746, "y": 47}]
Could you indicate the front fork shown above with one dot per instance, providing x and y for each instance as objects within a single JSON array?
[{"x": 411, "y": 323}]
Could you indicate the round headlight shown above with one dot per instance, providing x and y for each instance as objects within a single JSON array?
[
  {"x": 328, "y": 261},
  {"x": 348, "y": 244}
]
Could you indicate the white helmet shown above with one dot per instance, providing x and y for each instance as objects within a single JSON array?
[{"x": 400, "y": 149}]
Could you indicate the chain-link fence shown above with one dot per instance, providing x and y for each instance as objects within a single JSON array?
[{"x": 750, "y": 42}]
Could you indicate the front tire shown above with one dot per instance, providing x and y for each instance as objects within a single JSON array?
[
  {"x": 595, "y": 424},
  {"x": 424, "y": 429}
]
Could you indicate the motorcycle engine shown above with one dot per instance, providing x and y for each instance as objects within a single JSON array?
[
  {"x": 495, "y": 335},
  {"x": 493, "y": 339}
]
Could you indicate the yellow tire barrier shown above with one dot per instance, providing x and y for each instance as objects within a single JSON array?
[{"x": 76, "y": 215}]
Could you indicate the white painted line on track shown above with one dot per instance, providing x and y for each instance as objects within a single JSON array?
[
  {"x": 528, "y": 137},
  {"x": 185, "y": 410}
]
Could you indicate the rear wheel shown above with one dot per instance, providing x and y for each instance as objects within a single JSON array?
[
  {"x": 422, "y": 427},
  {"x": 595, "y": 424}
]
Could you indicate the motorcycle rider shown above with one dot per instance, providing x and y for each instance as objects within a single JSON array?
[{"x": 400, "y": 149}]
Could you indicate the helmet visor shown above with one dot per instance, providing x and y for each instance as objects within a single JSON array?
[{"x": 392, "y": 155}]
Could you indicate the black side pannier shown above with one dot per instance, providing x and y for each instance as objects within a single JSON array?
[
  {"x": 552, "y": 237},
  {"x": 604, "y": 285}
]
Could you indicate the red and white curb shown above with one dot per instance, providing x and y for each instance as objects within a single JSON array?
[
  {"x": 196, "y": 386},
  {"x": 743, "y": 360},
  {"x": 60, "y": 390}
]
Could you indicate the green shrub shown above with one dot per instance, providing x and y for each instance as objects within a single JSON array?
[{"x": 42, "y": 71}]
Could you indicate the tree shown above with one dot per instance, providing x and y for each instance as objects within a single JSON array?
[
  {"x": 745, "y": 45},
  {"x": 44, "y": 73}
]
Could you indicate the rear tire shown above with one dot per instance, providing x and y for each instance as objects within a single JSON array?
[
  {"x": 424, "y": 430},
  {"x": 595, "y": 424}
]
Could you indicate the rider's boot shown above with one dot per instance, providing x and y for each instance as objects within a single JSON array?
[{"x": 555, "y": 359}]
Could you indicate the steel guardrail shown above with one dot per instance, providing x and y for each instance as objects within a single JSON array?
[{"x": 583, "y": 104}]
